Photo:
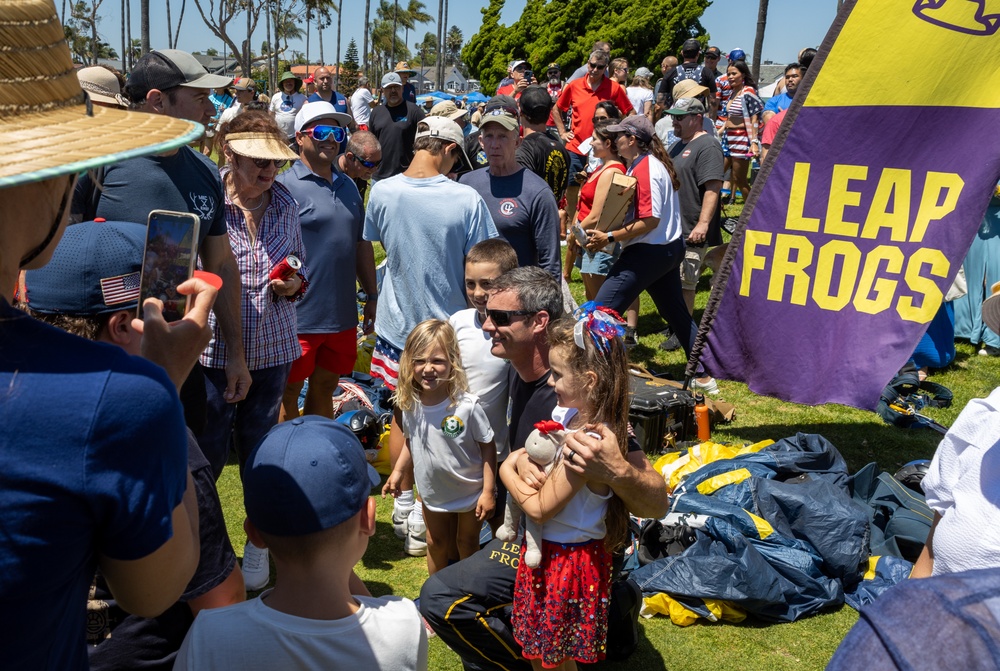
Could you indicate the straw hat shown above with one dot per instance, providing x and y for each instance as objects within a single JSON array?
[
  {"x": 41, "y": 99},
  {"x": 101, "y": 85},
  {"x": 404, "y": 68},
  {"x": 260, "y": 145}
]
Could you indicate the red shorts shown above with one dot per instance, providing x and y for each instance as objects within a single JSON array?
[{"x": 335, "y": 352}]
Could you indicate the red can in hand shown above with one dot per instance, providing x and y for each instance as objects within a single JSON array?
[{"x": 286, "y": 268}]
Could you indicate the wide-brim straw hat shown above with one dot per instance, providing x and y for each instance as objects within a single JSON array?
[
  {"x": 260, "y": 145},
  {"x": 404, "y": 68},
  {"x": 48, "y": 127},
  {"x": 991, "y": 309}
]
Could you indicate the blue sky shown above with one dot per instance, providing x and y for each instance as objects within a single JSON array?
[{"x": 792, "y": 25}]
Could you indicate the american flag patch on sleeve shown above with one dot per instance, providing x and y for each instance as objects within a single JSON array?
[{"x": 120, "y": 289}]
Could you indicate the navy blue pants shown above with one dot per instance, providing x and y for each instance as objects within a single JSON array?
[
  {"x": 654, "y": 269},
  {"x": 240, "y": 425}
]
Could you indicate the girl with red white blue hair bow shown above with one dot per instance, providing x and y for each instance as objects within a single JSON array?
[{"x": 600, "y": 322}]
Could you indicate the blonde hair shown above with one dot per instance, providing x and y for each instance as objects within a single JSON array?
[
  {"x": 608, "y": 400},
  {"x": 422, "y": 338}
]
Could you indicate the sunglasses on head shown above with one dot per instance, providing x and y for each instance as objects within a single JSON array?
[
  {"x": 262, "y": 163},
  {"x": 595, "y": 66},
  {"x": 367, "y": 164},
  {"x": 502, "y": 110},
  {"x": 321, "y": 133},
  {"x": 503, "y": 317}
]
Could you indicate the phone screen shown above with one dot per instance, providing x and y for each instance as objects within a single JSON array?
[{"x": 171, "y": 251}]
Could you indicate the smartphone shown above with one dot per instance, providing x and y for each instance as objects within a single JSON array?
[
  {"x": 529, "y": 75},
  {"x": 171, "y": 252}
]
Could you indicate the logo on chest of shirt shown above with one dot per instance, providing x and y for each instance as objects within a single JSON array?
[
  {"x": 204, "y": 206},
  {"x": 508, "y": 207},
  {"x": 686, "y": 153},
  {"x": 452, "y": 426}
]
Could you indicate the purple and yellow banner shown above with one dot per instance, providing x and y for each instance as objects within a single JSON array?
[{"x": 866, "y": 205}]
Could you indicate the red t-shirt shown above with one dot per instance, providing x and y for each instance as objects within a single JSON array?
[
  {"x": 508, "y": 90},
  {"x": 578, "y": 95},
  {"x": 771, "y": 128}
]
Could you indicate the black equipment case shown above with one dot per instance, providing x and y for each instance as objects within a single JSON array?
[{"x": 661, "y": 414}]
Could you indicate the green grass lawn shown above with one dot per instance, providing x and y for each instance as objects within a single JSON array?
[{"x": 861, "y": 437}]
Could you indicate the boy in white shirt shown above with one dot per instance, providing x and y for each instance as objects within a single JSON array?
[
  {"x": 306, "y": 489},
  {"x": 487, "y": 374}
]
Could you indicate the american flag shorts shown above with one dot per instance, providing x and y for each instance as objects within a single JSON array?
[{"x": 385, "y": 362}]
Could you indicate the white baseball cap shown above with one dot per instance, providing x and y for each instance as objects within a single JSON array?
[
  {"x": 319, "y": 110},
  {"x": 447, "y": 130}
]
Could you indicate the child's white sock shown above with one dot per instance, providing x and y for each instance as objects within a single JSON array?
[{"x": 404, "y": 501}]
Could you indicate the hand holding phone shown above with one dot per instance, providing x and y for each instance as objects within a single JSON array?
[
  {"x": 176, "y": 346},
  {"x": 171, "y": 252}
]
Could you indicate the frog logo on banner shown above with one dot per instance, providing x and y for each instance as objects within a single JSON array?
[
  {"x": 845, "y": 251},
  {"x": 973, "y": 17}
]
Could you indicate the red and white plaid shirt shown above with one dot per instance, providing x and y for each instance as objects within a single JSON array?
[{"x": 270, "y": 335}]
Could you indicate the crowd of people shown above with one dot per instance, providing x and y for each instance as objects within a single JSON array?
[{"x": 114, "y": 549}]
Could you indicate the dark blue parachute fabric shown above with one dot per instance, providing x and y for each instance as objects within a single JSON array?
[{"x": 782, "y": 540}]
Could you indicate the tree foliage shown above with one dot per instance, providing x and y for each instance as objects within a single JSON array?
[
  {"x": 563, "y": 31},
  {"x": 349, "y": 70},
  {"x": 453, "y": 46}
]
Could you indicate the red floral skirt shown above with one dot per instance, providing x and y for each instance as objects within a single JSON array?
[{"x": 561, "y": 607}]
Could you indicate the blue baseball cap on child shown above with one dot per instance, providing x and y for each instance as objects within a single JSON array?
[
  {"x": 306, "y": 475},
  {"x": 94, "y": 270}
]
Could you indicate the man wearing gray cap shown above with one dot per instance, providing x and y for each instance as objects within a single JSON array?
[
  {"x": 523, "y": 206},
  {"x": 395, "y": 126},
  {"x": 698, "y": 162},
  {"x": 173, "y": 83}
]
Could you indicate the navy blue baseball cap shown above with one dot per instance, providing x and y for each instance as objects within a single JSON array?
[
  {"x": 95, "y": 270},
  {"x": 306, "y": 475}
]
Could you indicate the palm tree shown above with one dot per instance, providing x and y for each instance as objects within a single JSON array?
[
  {"x": 413, "y": 15},
  {"x": 336, "y": 77},
  {"x": 440, "y": 38},
  {"x": 758, "y": 43},
  {"x": 144, "y": 25},
  {"x": 368, "y": 7}
]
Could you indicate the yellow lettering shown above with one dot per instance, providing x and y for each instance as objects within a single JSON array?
[
  {"x": 795, "y": 220},
  {"x": 884, "y": 289},
  {"x": 893, "y": 188},
  {"x": 932, "y": 207},
  {"x": 841, "y": 198},
  {"x": 825, "y": 265},
  {"x": 515, "y": 561},
  {"x": 932, "y": 295},
  {"x": 494, "y": 554},
  {"x": 783, "y": 266},
  {"x": 751, "y": 261},
  {"x": 505, "y": 559}
]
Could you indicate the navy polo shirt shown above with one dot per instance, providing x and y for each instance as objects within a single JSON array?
[{"x": 332, "y": 216}]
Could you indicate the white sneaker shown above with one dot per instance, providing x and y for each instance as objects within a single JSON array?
[
  {"x": 399, "y": 525},
  {"x": 415, "y": 543},
  {"x": 710, "y": 387},
  {"x": 256, "y": 568}
]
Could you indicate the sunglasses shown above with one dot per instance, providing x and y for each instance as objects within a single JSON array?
[
  {"x": 595, "y": 66},
  {"x": 321, "y": 133},
  {"x": 502, "y": 110},
  {"x": 262, "y": 163},
  {"x": 713, "y": 56},
  {"x": 367, "y": 164},
  {"x": 503, "y": 317}
]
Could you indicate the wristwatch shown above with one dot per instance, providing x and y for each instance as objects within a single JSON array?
[{"x": 611, "y": 237}]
